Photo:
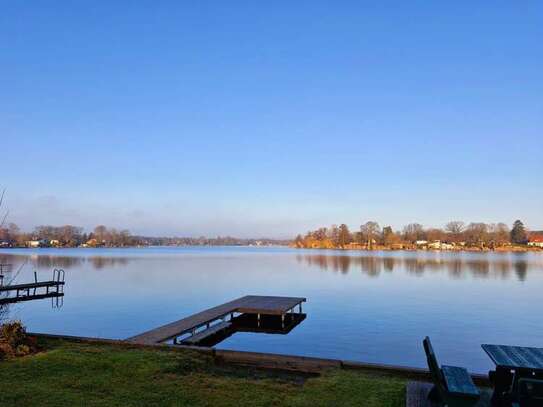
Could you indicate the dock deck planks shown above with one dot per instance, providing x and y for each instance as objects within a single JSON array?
[
  {"x": 31, "y": 297},
  {"x": 30, "y": 286},
  {"x": 252, "y": 304}
]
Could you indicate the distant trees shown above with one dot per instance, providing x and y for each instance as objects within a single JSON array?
[
  {"x": 370, "y": 232},
  {"x": 413, "y": 232},
  {"x": 499, "y": 233},
  {"x": 100, "y": 233},
  {"x": 476, "y": 234},
  {"x": 111, "y": 237},
  {"x": 388, "y": 236},
  {"x": 518, "y": 233},
  {"x": 455, "y": 234},
  {"x": 66, "y": 236},
  {"x": 455, "y": 229},
  {"x": 344, "y": 236}
]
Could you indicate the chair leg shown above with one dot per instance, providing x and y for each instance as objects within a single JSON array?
[{"x": 434, "y": 394}]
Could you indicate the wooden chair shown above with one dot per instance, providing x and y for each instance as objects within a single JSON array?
[{"x": 453, "y": 386}]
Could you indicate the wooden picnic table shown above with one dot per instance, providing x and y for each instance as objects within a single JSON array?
[{"x": 512, "y": 363}]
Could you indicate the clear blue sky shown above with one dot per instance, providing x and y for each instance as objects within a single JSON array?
[{"x": 256, "y": 119}]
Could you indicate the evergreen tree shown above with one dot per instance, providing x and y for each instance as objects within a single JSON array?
[{"x": 518, "y": 233}]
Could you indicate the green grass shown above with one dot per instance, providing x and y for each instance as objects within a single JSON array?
[{"x": 76, "y": 374}]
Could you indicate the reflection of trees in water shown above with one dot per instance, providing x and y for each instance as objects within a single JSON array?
[
  {"x": 521, "y": 269},
  {"x": 65, "y": 262},
  {"x": 455, "y": 267},
  {"x": 53, "y": 261},
  {"x": 99, "y": 262}
]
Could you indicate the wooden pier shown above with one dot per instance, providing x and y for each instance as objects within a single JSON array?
[
  {"x": 250, "y": 304},
  {"x": 33, "y": 291}
]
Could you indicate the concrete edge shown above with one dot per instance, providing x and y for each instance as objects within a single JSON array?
[{"x": 303, "y": 364}]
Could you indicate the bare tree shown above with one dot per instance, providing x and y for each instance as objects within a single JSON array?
[
  {"x": 455, "y": 228},
  {"x": 345, "y": 236},
  {"x": 477, "y": 234},
  {"x": 370, "y": 231},
  {"x": 435, "y": 234},
  {"x": 414, "y": 232},
  {"x": 499, "y": 233}
]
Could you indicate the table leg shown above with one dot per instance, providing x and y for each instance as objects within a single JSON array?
[{"x": 502, "y": 379}]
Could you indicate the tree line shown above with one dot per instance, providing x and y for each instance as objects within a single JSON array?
[
  {"x": 66, "y": 236},
  {"x": 455, "y": 234},
  {"x": 102, "y": 236},
  {"x": 212, "y": 241}
]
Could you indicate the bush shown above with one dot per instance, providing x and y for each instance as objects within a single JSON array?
[{"x": 14, "y": 341}]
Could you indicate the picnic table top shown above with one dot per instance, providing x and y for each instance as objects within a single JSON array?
[{"x": 515, "y": 357}]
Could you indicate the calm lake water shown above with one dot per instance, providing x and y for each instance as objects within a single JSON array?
[{"x": 365, "y": 306}]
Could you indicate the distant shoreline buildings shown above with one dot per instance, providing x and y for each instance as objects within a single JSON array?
[{"x": 456, "y": 236}]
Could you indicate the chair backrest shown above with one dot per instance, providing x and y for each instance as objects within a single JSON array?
[
  {"x": 530, "y": 392},
  {"x": 433, "y": 365}
]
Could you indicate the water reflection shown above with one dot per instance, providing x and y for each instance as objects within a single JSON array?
[
  {"x": 66, "y": 262},
  {"x": 455, "y": 267},
  {"x": 267, "y": 324}
]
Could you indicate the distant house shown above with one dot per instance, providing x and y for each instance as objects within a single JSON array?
[
  {"x": 535, "y": 240},
  {"x": 54, "y": 242},
  {"x": 5, "y": 243},
  {"x": 37, "y": 243},
  {"x": 439, "y": 245},
  {"x": 90, "y": 243},
  {"x": 421, "y": 242}
]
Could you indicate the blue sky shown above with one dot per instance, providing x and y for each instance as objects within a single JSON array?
[{"x": 250, "y": 119}]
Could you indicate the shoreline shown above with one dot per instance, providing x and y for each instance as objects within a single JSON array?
[
  {"x": 511, "y": 249},
  {"x": 266, "y": 360},
  {"x": 407, "y": 249}
]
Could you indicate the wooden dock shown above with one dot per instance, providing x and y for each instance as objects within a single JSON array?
[
  {"x": 33, "y": 291},
  {"x": 250, "y": 304}
]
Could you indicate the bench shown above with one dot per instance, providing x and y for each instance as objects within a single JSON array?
[{"x": 453, "y": 386}]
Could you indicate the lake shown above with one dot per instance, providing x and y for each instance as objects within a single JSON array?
[{"x": 363, "y": 306}]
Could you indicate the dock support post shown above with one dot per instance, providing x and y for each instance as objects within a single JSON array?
[
  {"x": 175, "y": 340},
  {"x": 258, "y": 319},
  {"x": 282, "y": 320},
  {"x": 300, "y": 308}
]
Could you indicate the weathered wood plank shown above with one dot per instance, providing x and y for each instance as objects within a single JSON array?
[
  {"x": 21, "y": 298},
  {"x": 515, "y": 357},
  {"x": 22, "y": 287},
  {"x": 459, "y": 381}
]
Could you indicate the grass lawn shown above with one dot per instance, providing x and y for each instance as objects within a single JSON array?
[{"x": 76, "y": 374}]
